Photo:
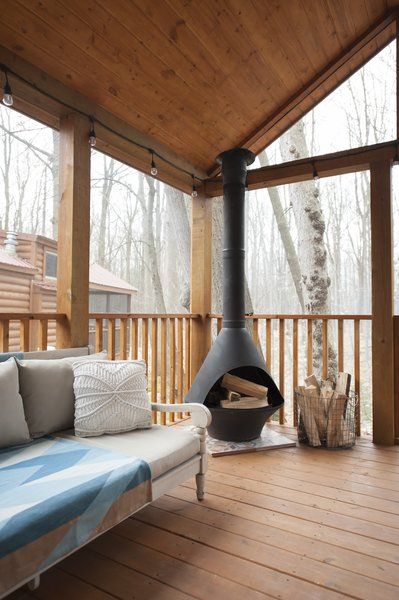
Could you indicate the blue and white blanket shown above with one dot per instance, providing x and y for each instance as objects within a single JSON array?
[{"x": 55, "y": 495}]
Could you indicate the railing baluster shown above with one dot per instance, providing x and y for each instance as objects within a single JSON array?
[
  {"x": 255, "y": 332},
  {"x": 4, "y": 336},
  {"x": 99, "y": 340},
  {"x": 111, "y": 338},
  {"x": 356, "y": 344},
  {"x": 295, "y": 368},
  {"x": 325, "y": 348},
  {"x": 179, "y": 364},
  {"x": 281, "y": 365},
  {"x": 340, "y": 345},
  {"x": 269, "y": 344},
  {"x": 163, "y": 367},
  {"x": 154, "y": 363},
  {"x": 123, "y": 339},
  {"x": 310, "y": 347},
  {"x": 187, "y": 332},
  {"x": 43, "y": 334},
  {"x": 172, "y": 365},
  {"x": 134, "y": 338},
  {"x": 144, "y": 342},
  {"x": 219, "y": 325},
  {"x": 24, "y": 334}
]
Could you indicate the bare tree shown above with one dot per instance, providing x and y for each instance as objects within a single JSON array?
[{"x": 312, "y": 252}]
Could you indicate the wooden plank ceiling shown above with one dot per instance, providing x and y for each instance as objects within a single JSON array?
[{"x": 199, "y": 77}]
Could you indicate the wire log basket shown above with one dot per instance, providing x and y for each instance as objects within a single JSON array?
[{"x": 327, "y": 421}]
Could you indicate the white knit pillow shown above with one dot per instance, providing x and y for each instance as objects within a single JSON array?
[{"x": 110, "y": 397}]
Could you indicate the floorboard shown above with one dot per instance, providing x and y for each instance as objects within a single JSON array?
[{"x": 300, "y": 523}]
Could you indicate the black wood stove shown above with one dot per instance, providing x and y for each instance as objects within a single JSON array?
[{"x": 234, "y": 351}]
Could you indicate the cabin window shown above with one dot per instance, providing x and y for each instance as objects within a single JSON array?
[{"x": 51, "y": 265}]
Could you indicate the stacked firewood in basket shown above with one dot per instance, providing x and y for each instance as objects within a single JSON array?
[
  {"x": 241, "y": 393},
  {"x": 323, "y": 410}
]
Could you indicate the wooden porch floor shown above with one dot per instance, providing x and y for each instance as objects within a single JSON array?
[{"x": 294, "y": 523}]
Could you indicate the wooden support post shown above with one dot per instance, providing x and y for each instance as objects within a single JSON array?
[
  {"x": 4, "y": 336},
  {"x": 73, "y": 232},
  {"x": 396, "y": 380},
  {"x": 382, "y": 303},
  {"x": 201, "y": 280}
]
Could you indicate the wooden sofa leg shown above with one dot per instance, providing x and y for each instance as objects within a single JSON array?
[
  {"x": 200, "y": 480},
  {"x": 34, "y": 583}
]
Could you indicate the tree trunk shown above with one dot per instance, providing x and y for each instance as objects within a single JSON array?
[
  {"x": 312, "y": 251},
  {"x": 179, "y": 231},
  {"x": 151, "y": 260},
  {"x": 285, "y": 234}
]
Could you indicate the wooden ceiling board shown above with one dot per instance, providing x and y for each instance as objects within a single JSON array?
[
  {"x": 197, "y": 77},
  {"x": 101, "y": 66}
]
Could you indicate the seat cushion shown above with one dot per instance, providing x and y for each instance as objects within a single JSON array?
[{"x": 163, "y": 448}]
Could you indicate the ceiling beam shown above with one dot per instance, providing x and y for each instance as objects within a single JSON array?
[
  {"x": 41, "y": 97},
  {"x": 330, "y": 78},
  {"x": 326, "y": 165}
]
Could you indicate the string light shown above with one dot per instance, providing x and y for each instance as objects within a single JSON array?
[
  {"x": 92, "y": 133},
  {"x": 194, "y": 193},
  {"x": 315, "y": 173},
  {"x": 7, "y": 93},
  {"x": 154, "y": 170},
  {"x": 26, "y": 81}
]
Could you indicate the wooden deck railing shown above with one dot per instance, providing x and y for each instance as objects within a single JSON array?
[
  {"x": 27, "y": 331},
  {"x": 163, "y": 342},
  {"x": 286, "y": 342}
]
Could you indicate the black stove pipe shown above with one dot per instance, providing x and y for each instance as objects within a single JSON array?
[{"x": 234, "y": 171}]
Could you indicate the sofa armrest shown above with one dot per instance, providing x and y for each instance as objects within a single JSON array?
[{"x": 200, "y": 414}]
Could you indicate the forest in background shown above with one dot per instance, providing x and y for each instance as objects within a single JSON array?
[{"x": 140, "y": 228}]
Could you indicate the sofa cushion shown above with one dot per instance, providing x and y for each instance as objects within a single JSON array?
[
  {"x": 13, "y": 427},
  {"x": 110, "y": 397},
  {"x": 46, "y": 387},
  {"x": 162, "y": 447}
]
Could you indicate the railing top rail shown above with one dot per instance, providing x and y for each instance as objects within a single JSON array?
[
  {"x": 144, "y": 316},
  {"x": 21, "y": 316},
  {"x": 301, "y": 316},
  {"x": 17, "y": 316}
]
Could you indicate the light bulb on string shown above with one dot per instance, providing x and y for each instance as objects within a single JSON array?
[
  {"x": 194, "y": 193},
  {"x": 154, "y": 170},
  {"x": 7, "y": 93},
  {"x": 92, "y": 134},
  {"x": 316, "y": 176}
]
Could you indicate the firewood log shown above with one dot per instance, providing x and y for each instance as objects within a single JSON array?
[
  {"x": 327, "y": 388},
  {"x": 243, "y": 386},
  {"x": 337, "y": 428},
  {"x": 312, "y": 381},
  {"x": 343, "y": 383},
  {"x": 233, "y": 396},
  {"x": 308, "y": 420},
  {"x": 319, "y": 409},
  {"x": 245, "y": 402}
]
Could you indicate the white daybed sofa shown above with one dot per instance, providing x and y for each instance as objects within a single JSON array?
[{"x": 173, "y": 454}]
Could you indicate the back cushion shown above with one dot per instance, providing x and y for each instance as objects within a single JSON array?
[
  {"x": 13, "y": 427},
  {"x": 46, "y": 387}
]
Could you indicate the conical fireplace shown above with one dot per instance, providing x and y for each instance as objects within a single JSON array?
[{"x": 234, "y": 351}]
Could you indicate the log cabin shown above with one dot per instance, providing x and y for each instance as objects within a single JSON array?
[
  {"x": 28, "y": 283},
  {"x": 184, "y": 81}
]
